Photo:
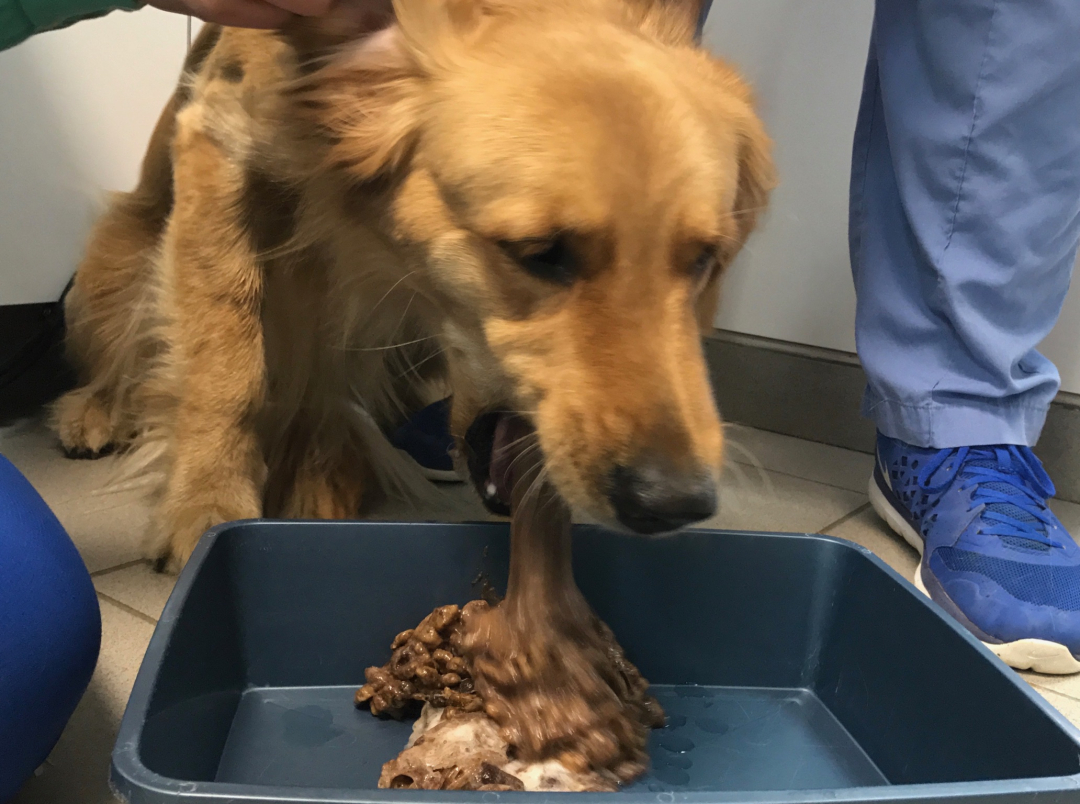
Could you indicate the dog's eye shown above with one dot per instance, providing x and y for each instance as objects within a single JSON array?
[
  {"x": 704, "y": 264},
  {"x": 550, "y": 260}
]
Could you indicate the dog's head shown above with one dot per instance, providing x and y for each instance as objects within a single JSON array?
[{"x": 576, "y": 174}]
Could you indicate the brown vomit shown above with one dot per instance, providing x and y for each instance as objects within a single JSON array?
[
  {"x": 426, "y": 666},
  {"x": 537, "y": 683}
]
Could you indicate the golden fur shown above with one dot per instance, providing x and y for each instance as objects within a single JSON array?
[{"x": 327, "y": 223}]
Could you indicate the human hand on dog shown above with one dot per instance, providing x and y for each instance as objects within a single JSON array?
[{"x": 252, "y": 13}]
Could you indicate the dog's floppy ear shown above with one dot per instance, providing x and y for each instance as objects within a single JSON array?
[
  {"x": 757, "y": 178},
  {"x": 757, "y": 175},
  {"x": 737, "y": 107},
  {"x": 364, "y": 75},
  {"x": 365, "y": 101}
]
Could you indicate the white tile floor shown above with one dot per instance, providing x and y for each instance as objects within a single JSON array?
[{"x": 773, "y": 483}]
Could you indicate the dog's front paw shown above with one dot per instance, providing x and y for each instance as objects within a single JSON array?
[
  {"x": 84, "y": 426},
  {"x": 177, "y": 544},
  {"x": 331, "y": 495},
  {"x": 183, "y": 519}
]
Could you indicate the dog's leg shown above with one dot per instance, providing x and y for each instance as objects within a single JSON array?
[
  {"x": 100, "y": 313},
  {"x": 110, "y": 307},
  {"x": 309, "y": 481},
  {"x": 328, "y": 490},
  {"x": 107, "y": 312},
  {"x": 215, "y": 339}
]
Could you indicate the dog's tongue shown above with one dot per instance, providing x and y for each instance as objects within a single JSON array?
[{"x": 512, "y": 437}]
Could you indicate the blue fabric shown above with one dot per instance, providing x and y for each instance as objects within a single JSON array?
[
  {"x": 426, "y": 437},
  {"x": 994, "y": 554},
  {"x": 50, "y": 629},
  {"x": 965, "y": 214}
]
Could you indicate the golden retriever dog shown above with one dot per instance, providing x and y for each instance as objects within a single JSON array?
[{"x": 529, "y": 203}]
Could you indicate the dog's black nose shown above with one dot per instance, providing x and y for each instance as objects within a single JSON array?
[{"x": 650, "y": 498}]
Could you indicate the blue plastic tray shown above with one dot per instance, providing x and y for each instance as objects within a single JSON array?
[{"x": 793, "y": 668}]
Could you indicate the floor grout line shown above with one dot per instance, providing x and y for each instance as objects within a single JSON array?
[
  {"x": 845, "y": 518},
  {"x": 129, "y": 609},
  {"x": 118, "y": 567},
  {"x": 1050, "y": 689},
  {"x": 797, "y": 477}
]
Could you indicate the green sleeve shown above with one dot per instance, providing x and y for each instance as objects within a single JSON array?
[{"x": 20, "y": 19}]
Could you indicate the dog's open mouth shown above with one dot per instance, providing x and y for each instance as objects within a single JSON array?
[{"x": 492, "y": 444}]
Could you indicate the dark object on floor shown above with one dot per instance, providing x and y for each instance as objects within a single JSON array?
[
  {"x": 50, "y": 629},
  {"x": 33, "y": 369},
  {"x": 426, "y": 438},
  {"x": 784, "y": 662}
]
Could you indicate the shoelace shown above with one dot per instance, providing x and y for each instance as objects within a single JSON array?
[{"x": 1020, "y": 472}]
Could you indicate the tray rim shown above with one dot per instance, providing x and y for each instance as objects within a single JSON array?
[{"x": 133, "y": 781}]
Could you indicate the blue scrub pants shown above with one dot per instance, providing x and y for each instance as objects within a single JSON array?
[
  {"x": 965, "y": 214},
  {"x": 50, "y": 629}
]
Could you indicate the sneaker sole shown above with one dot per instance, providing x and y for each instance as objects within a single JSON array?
[
  {"x": 441, "y": 475},
  {"x": 1039, "y": 655},
  {"x": 437, "y": 475}
]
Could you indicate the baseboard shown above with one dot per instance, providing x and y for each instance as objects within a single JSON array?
[{"x": 813, "y": 393}]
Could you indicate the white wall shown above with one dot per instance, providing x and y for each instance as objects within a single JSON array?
[
  {"x": 1063, "y": 344},
  {"x": 806, "y": 59},
  {"x": 76, "y": 110}
]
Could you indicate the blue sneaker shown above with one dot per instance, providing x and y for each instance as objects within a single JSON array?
[
  {"x": 993, "y": 554},
  {"x": 426, "y": 438}
]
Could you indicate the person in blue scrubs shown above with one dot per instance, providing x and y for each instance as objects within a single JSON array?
[
  {"x": 964, "y": 224},
  {"x": 50, "y": 629}
]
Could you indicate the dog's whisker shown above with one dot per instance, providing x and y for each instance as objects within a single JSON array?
[
  {"x": 528, "y": 451},
  {"x": 539, "y": 472},
  {"x": 391, "y": 289},
  {"x": 746, "y": 211},
  {"x": 751, "y": 458},
  {"x": 762, "y": 474},
  {"x": 511, "y": 447},
  {"x": 735, "y": 470},
  {"x": 386, "y": 348},
  {"x": 412, "y": 369},
  {"x": 731, "y": 441},
  {"x": 518, "y": 440},
  {"x": 405, "y": 312}
]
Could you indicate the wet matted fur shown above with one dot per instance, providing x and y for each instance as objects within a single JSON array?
[{"x": 528, "y": 203}]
